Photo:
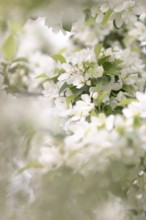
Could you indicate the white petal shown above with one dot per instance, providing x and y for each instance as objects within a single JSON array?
[
  {"x": 132, "y": 18},
  {"x": 119, "y": 22},
  {"x": 100, "y": 71},
  {"x": 99, "y": 18},
  {"x": 95, "y": 95},
  {"x": 119, "y": 8},
  {"x": 143, "y": 17},
  {"x": 129, "y": 4},
  {"x": 140, "y": 96},
  {"x": 116, "y": 86},
  {"x": 125, "y": 15},
  {"x": 104, "y": 7},
  {"x": 110, "y": 122},
  {"x": 76, "y": 118},
  {"x": 137, "y": 10},
  {"x": 63, "y": 77},
  {"x": 86, "y": 98},
  {"x": 94, "y": 11}
]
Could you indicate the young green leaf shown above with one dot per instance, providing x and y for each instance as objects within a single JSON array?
[
  {"x": 125, "y": 102},
  {"x": 69, "y": 99},
  {"x": 10, "y": 47},
  {"x": 59, "y": 58},
  {"x": 63, "y": 88},
  {"x": 42, "y": 75},
  {"x": 32, "y": 164},
  {"x": 20, "y": 59},
  {"x": 102, "y": 60},
  {"x": 107, "y": 17},
  {"x": 97, "y": 49},
  {"x": 101, "y": 97}
]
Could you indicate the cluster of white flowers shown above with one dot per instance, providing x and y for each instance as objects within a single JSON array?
[
  {"x": 89, "y": 33},
  {"x": 92, "y": 145},
  {"x": 138, "y": 32},
  {"x": 125, "y": 12},
  {"x": 85, "y": 80},
  {"x": 83, "y": 130}
]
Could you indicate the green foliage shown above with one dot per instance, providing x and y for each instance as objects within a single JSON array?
[
  {"x": 9, "y": 47},
  {"x": 112, "y": 67},
  {"x": 63, "y": 88},
  {"x": 30, "y": 165},
  {"x": 97, "y": 50},
  {"x": 125, "y": 102},
  {"x": 69, "y": 99},
  {"x": 59, "y": 58},
  {"x": 42, "y": 75},
  {"x": 103, "y": 59},
  {"x": 107, "y": 17}
]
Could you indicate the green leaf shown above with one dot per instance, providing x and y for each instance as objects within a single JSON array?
[
  {"x": 59, "y": 57},
  {"x": 109, "y": 68},
  {"x": 92, "y": 71},
  {"x": 133, "y": 211},
  {"x": 112, "y": 67},
  {"x": 43, "y": 75},
  {"x": 129, "y": 89},
  {"x": 90, "y": 21},
  {"x": 30, "y": 165},
  {"x": 94, "y": 113},
  {"x": 98, "y": 87},
  {"x": 107, "y": 17},
  {"x": 104, "y": 83},
  {"x": 102, "y": 60},
  {"x": 87, "y": 65},
  {"x": 67, "y": 26},
  {"x": 10, "y": 47},
  {"x": 126, "y": 102},
  {"x": 69, "y": 99},
  {"x": 97, "y": 49},
  {"x": 63, "y": 87},
  {"x": 101, "y": 97},
  {"x": 86, "y": 12},
  {"x": 117, "y": 62},
  {"x": 78, "y": 92},
  {"x": 20, "y": 59}
]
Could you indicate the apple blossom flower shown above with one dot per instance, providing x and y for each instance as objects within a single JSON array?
[{"x": 126, "y": 12}]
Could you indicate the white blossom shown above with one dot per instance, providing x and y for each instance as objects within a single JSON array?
[
  {"x": 126, "y": 12},
  {"x": 50, "y": 157},
  {"x": 82, "y": 108}
]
